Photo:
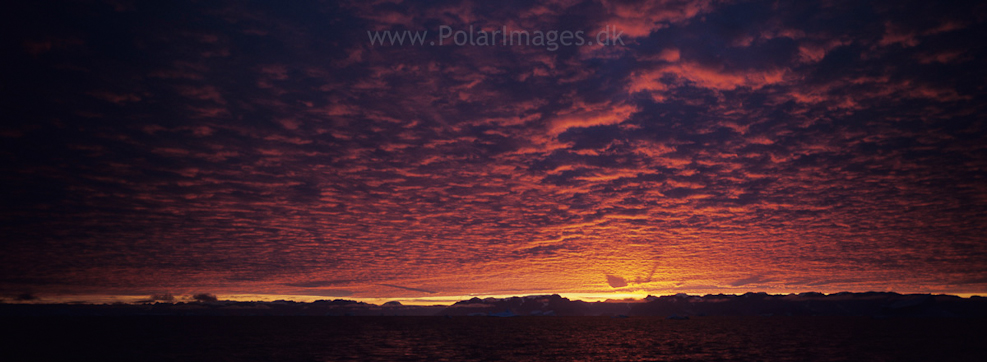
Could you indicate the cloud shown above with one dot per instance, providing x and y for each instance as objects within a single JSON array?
[
  {"x": 252, "y": 151},
  {"x": 26, "y": 297},
  {"x": 616, "y": 281},
  {"x": 409, "y": 288},
  {"x": 204, "y": 297},
  {"x": 704, "y": 77},
  {"x": 319, "y": 283},
  {"x": 588, "y": 115},
  {"x": 638, "y": 19},
  {"x": 167, "y": 297},
  {"x": 753, "y": 279}
]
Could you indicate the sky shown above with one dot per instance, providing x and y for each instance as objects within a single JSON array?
[{"x": 273, "y": 150}]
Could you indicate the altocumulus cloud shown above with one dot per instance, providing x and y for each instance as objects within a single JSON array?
[{"x": 272, "y": 149}]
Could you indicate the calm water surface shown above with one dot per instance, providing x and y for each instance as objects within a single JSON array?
[{"x": 494, "y": 339}]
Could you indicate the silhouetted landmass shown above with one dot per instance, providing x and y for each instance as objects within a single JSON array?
[
  {"x": 206, "y": 306},
  {"x": 750, "y": 304},
  {"x": 875, "y": 304}
]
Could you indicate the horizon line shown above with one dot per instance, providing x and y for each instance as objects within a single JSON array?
[{"x": 129, "y": 299}]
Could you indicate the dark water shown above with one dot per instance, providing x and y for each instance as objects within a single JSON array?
[{"x": 492, "y": 339}]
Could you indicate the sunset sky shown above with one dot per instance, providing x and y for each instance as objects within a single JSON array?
[{"x": 268, "y": 150}]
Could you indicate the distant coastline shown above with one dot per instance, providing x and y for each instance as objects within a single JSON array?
[{"x": 874, "y": 304}]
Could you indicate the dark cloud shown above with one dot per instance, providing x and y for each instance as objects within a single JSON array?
[
  {"x": 204, "y": 297},
  {"x": 167, "y": 297},
  {"x": 26, "y": 297},
  {"x": 408, "y": 288},
  {"x": 753, "y": 279},
  {"x": 616, "y": 281},
  {"x": 319, "y": 283}
]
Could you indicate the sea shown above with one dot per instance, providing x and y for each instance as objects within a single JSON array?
[{"x": 764, "y": 338}]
